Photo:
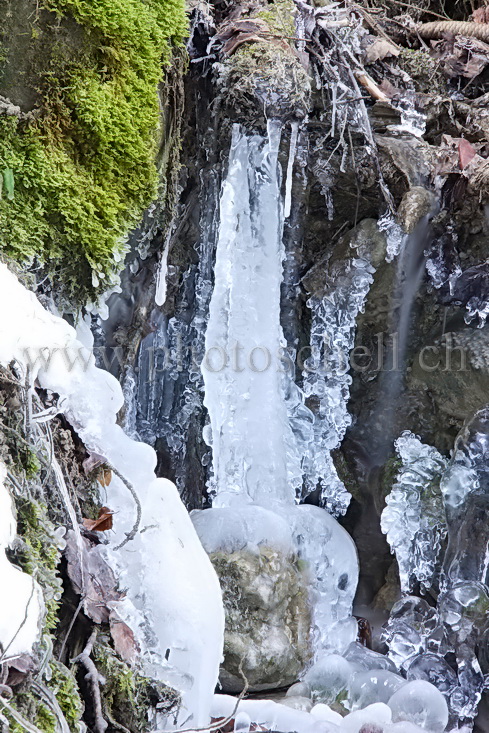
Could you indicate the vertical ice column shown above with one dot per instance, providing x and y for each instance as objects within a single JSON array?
[{"x": 250, "y": 431}]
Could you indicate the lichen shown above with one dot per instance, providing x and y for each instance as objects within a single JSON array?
[
  {"x": 84, "y": 167},
  {"x": 423, "y": 70}
]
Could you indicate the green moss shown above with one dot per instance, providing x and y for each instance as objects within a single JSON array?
[
  {"x": 45, "y": 720},
  {"x": 39, "y": 553},
  {"x": 84, "y": 169},
  {"x": 128, "y": 695},
  {"x": 64, "y": 686},
  {"x": 279, "y": 16}
]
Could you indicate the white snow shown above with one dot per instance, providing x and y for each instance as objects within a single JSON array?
[
  {"x": 173, "y": 600},
  {"x": 22, "y": 604}
]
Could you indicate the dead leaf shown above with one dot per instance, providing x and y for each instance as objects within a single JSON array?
[
  {"x": 380, "y": 49},
  {"x": 98, "y": 579},
  {"x": 123, "y": 637},
  {"x": 103, "y": 521},
  {"x": 104, "y": 476},
  {"x": 466, "y": 152}
]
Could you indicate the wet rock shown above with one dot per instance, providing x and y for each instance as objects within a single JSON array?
[
  {"x": 455, "y": 370},
  {"x": 267, "y": 619},
  {"x": 415, "y": 204}
]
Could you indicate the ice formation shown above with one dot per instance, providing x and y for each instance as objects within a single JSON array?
[
  {"x": 173, "y": 599},
  {"x": 258, "y": 437},
  {"x": 395, "y": 235},
  {"x": 250, "y": 431},
  {"x": 326, "y": 376},
  {"x": 414, "y": 708},
  {"x": 414, "y": 518},
  {"x": 23, "y": 606}
]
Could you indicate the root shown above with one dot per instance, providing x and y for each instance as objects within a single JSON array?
[
  {"x": 438, "y": 29},
  {"x": 93, "y": 679}
]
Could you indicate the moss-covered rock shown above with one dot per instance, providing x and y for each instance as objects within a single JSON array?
[
  {"x": 127, "y": 696},
  {"x": 264, "y": 79},
  {"x": 267, "y": 619},
  {"x": 78, "y": 160}
]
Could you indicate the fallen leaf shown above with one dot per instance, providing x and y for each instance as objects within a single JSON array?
[
  {"x": 97, "y": 580},
  {"x": 103, "y": 521},
  {"x": 466, "y": 152},
  {"x": 380, "y": 49},
  {"x": 123, "y": 637},
  {"x": 104, "y": 476}
]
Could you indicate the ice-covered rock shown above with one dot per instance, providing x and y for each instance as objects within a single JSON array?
[
  {"x": 320, "y": 711},
  {"x": 301, "y": 689},
  {"x": 268, "y": 619},
  {"x": 298, "y": 703},
  {"x": 372, "y": 719},
  {"x": 420, "y": 703},
  {"x": 363, "y": 658}
]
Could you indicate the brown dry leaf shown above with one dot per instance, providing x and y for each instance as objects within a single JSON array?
[
  {"x": 466, "y": 152},
  {"x": 103, "y": 521},
  {"x": 104, "y": 476},
  {"x": 125, "y": 642},
  {"x": 380, "y": 49}
]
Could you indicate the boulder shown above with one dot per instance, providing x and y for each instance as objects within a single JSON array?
[{"x": 268, "y": 619}]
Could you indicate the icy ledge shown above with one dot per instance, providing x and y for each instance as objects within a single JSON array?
[{"x": 173, "y": 601}]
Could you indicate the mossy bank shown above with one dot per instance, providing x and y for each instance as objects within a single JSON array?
[{"x": 80, "y": 127}]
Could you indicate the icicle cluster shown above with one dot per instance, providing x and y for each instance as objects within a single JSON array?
[
  {"x": 414, "y": 518},
  {"x": 326, "y": 380}
]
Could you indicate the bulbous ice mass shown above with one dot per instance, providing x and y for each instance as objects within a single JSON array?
[{"x": 420, "y": 703}]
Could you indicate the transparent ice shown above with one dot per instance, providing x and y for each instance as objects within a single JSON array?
[{"x": 414, "y": 516}]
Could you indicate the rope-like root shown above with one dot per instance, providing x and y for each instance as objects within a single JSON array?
[
  {"x": 438, "y": 28},
  {"x": 94, "y": 679}
]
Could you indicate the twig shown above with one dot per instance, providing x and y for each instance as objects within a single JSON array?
[
  {"x": 423, "y": 10},
  {"x": 70, "y": 627},
  {"x": 368, "y": 83},
  {"x": 222, "y": 722},
  {"x": 373, "y": 24},
  {"x": 129, "y": 535},
  {"x": 93, "y": 678}
]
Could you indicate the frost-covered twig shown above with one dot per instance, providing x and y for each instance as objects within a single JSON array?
[
  {"x": 129, "y": 535},
  {"x": 93, "y": 678},
  {"x": 223, "y": 721}
]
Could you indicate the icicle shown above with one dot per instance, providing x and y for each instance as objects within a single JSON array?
[
  {"x": 161, "y": 284},
  {"x": 294, "y": 132}
]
